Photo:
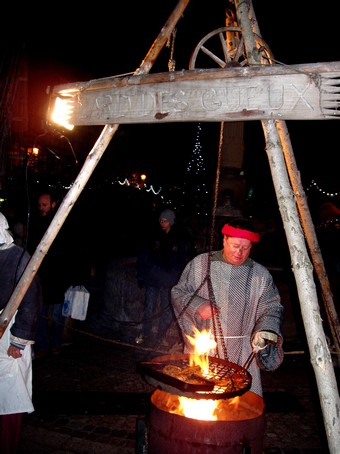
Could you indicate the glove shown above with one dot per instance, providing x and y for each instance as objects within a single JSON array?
[{"x": 261, "y": 339}]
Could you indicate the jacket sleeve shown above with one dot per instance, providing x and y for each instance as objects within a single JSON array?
[
  {"x": 28, "y": 313},
  {"x": 185, "y": 298},
  {"x": 270, "y": 319}
]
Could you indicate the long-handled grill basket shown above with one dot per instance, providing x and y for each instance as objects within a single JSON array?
[{"x": 223, "y": 381}]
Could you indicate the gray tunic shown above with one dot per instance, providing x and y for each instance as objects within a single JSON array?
[{"x": 248, "y": 301}]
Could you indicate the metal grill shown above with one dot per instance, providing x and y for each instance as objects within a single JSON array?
[{"x": 223, "y": 381}]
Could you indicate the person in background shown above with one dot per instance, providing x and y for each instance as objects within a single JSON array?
[
  {"x": 15, "y": 221},
  {"x": 54, "y": 277},
  {"x": 46, "y": 207},
  {"x": 161, "y": 260},
  {"x": 16, "y": 341},
  {"x": 242, "y": 295}
]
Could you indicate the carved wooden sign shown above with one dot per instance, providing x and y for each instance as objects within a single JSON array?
[{"x": 296, "y": 92}]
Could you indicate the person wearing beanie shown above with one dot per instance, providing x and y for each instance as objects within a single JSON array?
[
  {"x": 160, "y": 262},
  {"x": 228, "y": 289},
  {"x": 167, "y": 215},
  {"x": 16, "y": 341}
]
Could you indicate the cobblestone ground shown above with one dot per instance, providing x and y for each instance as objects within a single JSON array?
[{"x": 92, "y": 399}]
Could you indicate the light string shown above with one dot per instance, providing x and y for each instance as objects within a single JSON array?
[{"x": 313, "y": 185}]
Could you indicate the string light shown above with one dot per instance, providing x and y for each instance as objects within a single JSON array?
[
  {"x": 195, "y": 188},
  {"x": 314, "y": 185},
  {"x": 196, "y": 164},
  {"x": 126, "y": 182}
]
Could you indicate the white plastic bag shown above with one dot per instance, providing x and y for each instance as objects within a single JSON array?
[{"x": 76, "y": 299}]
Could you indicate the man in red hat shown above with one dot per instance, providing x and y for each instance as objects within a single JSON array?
[{"x": 242, "y": 299}]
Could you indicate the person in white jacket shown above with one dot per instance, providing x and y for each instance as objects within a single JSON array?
[{"x": 16, "y": 341}]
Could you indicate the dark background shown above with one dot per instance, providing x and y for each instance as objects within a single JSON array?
[{"x": 67, "y": 43}]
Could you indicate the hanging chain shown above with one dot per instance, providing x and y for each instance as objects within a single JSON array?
[
  {"x": 216, "y": 320},
  {"x": 172, "y": 63},
  {"x": 192, "y": 297},
  {"x": 217, "y": 182}
]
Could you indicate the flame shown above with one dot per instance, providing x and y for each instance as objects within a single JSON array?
[
  {"x": 203, "y": 409},
  {"x": 203, "y": 344},
  {"x": 240, "y": 408},
  {"x": 237, "y": 408}
]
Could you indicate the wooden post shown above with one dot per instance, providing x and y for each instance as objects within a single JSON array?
[
  {"x": 311, "y": 238},
  {"x": 55, "y": 225},
  {"x": 320, "y": 356},
  {"x": 80, "y": 182}
]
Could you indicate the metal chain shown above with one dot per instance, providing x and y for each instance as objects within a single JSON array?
[
  {"x": 172, "y": 63},
  {"x": 216, "y": 320}
]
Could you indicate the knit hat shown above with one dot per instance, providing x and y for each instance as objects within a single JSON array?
[
  {"x": 169, "y": 215},
  {"x": 5, "y": 237}
]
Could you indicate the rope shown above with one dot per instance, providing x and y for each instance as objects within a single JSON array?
[
  {"x": 172, "y": 63},
  {"x": 113, "y": 341},
  {"x": 152, "y": 349}
]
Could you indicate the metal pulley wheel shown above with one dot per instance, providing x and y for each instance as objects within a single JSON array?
[{"x": 225, "y": 47}]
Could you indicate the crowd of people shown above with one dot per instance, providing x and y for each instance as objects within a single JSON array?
[
  {"x": 181, "y": 288},
  {"x": 66, "y": 263},
  {"x": 37, "y": 328}
]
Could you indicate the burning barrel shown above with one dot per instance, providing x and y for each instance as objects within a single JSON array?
[
  {"x": 238, "y": 429},
  {"x": 202, "y": 414}
]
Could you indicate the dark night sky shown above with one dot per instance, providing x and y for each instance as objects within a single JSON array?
[{"x": 90, "y": 42}]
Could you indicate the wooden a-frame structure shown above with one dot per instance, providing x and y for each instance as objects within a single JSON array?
[{"x": 313, "y": 89}]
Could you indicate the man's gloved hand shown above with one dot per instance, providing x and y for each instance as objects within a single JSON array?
[{"x": 261, "y": 339}]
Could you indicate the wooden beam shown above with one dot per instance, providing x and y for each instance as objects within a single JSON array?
[{"x": 299, "y": 92}]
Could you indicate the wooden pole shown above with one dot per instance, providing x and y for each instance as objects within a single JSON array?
[
  {"x": 320, "y": 356},
  {"x": 306, "y": 220},
  {"x": 55, "y": 225},
  {"x": 311, "y": 238},
  {"x": 90, "y": 164}
]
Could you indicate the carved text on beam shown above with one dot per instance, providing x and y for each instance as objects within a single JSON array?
[{"x": 290, "y": 96}]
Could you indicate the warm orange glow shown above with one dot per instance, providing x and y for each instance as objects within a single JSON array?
[
  {"x": 33, "y": 151},
  {"x": 203, "y": 344},
  {"x": 62, "y": 111},
  {"x": 202, "y": 409},
  {"x": 240, "y": 408}
]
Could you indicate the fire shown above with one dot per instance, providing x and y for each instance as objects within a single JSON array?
[
  {"x": 203, "y": 409},
  {"x": 240, "y": 408},
  {"x": 203, "y": 344}
]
